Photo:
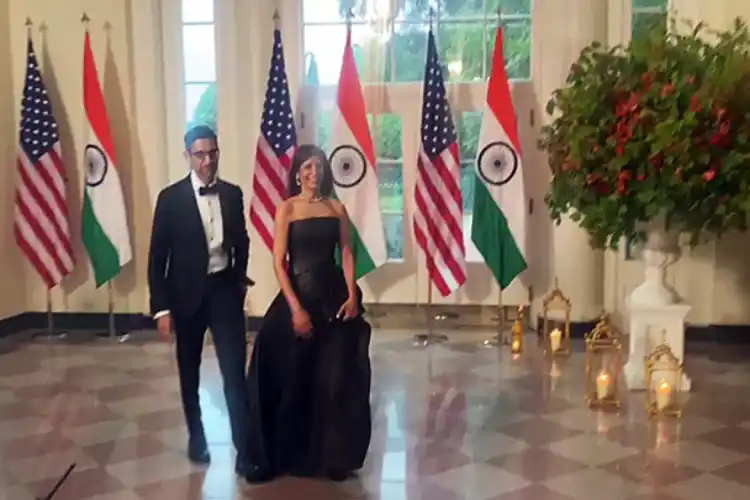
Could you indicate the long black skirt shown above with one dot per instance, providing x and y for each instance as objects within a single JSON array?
[{"x": 309, "y": 397}]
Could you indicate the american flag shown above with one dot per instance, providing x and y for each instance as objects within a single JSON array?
[
  {"x": 438, "y": 217},
  {"x": 276, "y": 146},
  {"x": 40, "y": 220}
]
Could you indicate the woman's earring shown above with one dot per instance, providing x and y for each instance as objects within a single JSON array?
[{"x": 299, "y": 183}]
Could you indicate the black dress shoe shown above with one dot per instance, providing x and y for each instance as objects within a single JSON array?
[
  {"x": 198, "y": 453},
  {"x": 257, "y": 475},
  {"x": 241, "y": 467}
]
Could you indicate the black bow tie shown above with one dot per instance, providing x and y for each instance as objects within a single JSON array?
[{"x": 204, "y": 190}]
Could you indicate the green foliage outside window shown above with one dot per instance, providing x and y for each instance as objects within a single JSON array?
[{"x": 205, "y": 110}]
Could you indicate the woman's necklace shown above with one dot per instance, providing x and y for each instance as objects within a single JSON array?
[{"x": 312, "y": 199}]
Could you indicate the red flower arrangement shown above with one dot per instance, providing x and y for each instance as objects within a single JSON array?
[{"x": 661, "y": 127}]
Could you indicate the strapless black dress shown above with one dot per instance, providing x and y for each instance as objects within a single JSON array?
[{"x": 310, "y": 397}]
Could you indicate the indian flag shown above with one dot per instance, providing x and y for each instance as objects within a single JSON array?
[
  {"x": 104, "y": 222},
  {"x": 353, "y": 164},
  {"x": 498, "y": 227}
]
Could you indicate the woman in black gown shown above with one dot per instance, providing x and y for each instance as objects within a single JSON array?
[{"x": 309, "y": 375}]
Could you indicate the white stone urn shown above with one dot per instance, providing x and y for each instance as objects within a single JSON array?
[{"x": 661, "y": 250}]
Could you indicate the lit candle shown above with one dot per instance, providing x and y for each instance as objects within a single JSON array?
[
  {"x": 603, "y": 385},
  {"x": 554, "y": 340},
  {"x": 663, "y": 395},
  {"x": 515, "y": 346}
]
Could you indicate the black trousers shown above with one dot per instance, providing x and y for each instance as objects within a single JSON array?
[{"x": 221, "y": 310}]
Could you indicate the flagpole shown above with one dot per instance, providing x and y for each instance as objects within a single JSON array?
[
  {"x": 425, "y": 339},
  {"x": 49, "y": 334},
  {"x": 111, "y": 333},
  {"x": 501, "y": 318}
]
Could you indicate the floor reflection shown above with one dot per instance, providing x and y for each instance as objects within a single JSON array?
[{"x": 452, "y": 421}]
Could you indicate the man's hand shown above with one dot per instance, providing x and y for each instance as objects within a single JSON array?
[{"x": 164, "y": 327}]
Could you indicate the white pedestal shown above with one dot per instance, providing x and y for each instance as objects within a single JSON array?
[{"x": 647, "y": 327}]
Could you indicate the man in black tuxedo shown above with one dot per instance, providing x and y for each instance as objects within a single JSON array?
[{"x": 197, "y": 280}]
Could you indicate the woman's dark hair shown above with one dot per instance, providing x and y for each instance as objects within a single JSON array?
[{"x": 305, "y": 152}]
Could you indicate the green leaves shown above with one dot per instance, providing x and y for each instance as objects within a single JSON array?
[{"x": 660, "y": 126}]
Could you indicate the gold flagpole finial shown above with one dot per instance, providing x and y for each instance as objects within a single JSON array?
[
  {"x": 276, "y": 18},
  {"x": 431, "y": 16},
  {"x": 85, "y": 19}
]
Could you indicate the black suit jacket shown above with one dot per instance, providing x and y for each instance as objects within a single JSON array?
[{"x": 178, "y": 255}]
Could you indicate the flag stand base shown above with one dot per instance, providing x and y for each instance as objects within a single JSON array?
[
  {"x": 429, "y": 338},
  {"x": 50, "y": 336},
  {"x": 425, "y": 339},
  {"x": 111, "y": 335},
  {"x": 496, "y": 340},
  {"x": 501, "y": 336}
]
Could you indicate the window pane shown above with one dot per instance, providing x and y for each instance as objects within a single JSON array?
[
  {"x": 325, "y": 126},
  {"x": 388, "y": 137},
  {"x": 417, "y": 10},
  {"x": 200, "y": 104},
  {"x": 650, "y": 4},
  {"x": 325, "y": 11},
  {"x": 517, "y": 46},
  {"x": 394, "y": 235},
  {"x": 469, "y": 125},
  {"x": 461, "y": 48},
  {"x": 197, "y": 11},
  {"x": 645, "y": 23},
  {"x": 199, "y": 51},
  {"x": 409, "y": 45},
  {"x": 467, "y": 184},
  {"x": 391, "y": 185},
  {"x": 509, "y": 7},
  {"x": 461, "y": 8},
  {"x": 326, "y": 44}
]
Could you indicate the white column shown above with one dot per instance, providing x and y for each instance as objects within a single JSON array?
[
  {"x": 562, "y": 29},
  {"x": 149, "y": 125},
  {"x": 13, "y": 294},
  {"x": 245, "y": 41}
]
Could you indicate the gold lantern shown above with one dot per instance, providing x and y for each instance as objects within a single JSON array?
[
  {"x": 663, "y": 382},
  {"x": 556, "y": 335},
  {"x": 603, "y": 365},
  {"x": 516, "y": 333}
]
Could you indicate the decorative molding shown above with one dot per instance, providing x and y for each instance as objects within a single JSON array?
[
  {"x": 401, "y": 316},
  {"x": 86, "y": 322}
]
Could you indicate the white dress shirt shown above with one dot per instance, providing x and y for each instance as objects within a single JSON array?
[{"x": 209, "y": 207}]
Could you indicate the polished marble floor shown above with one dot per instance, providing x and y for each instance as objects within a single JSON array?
[{"x": 453, "y": 421}]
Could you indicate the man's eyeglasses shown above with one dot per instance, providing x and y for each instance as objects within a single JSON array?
[{"x": 202, "y": 155}]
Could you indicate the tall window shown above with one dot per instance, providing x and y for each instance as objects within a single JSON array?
[
  {"x": 199, "y": 62},
  {"x": 648, "y": 15},
  {"x": 390, "y": 48}
]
